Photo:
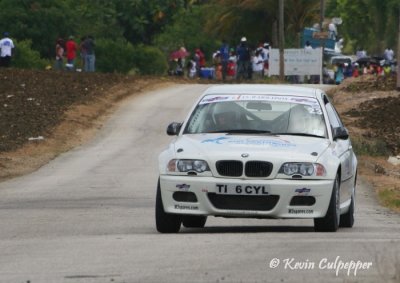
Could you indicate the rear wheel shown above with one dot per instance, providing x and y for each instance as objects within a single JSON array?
[
  {"x": 165, "y": 222},
  {"x": 192, "y": 221},
  {"x": 330, "y": 222}
]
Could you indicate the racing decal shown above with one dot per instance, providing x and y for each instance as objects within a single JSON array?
[
  {"x": 300, "y": 211},
  {"x": 217, "y": 98},
  {"x": 183, "y": 187},
  {"x": 216, "y": 140},
  {"x": 250, "y": 141},
  {"x": 259, "y": 97},
  {"x": 302, "y": 190},
  {"x": 186, "y": 207}
]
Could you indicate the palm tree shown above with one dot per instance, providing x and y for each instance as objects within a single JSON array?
[{"x": 258, "y": 19}]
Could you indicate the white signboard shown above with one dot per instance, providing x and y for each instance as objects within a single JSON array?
[{"x": 297, "y": 62}]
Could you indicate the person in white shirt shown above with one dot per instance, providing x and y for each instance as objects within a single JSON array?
[
  {"x": 6, "y": 46},
  {"x": 257, "y": 64},
  {"x": 389, "y": 55}
]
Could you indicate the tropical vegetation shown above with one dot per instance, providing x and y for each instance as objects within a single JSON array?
[{"x": 137, "y": 35}]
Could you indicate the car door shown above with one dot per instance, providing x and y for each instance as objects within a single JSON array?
[{"x": 343, "y": 149}]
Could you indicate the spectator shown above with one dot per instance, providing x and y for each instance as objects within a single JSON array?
[
  {"x": 71, "y": 49},
  {"x": 200, "y": 60},
  {"x": 192, "y": 70},
  {"x": 59, "y": 65},
  {"x": 265, "y": 56},
  {"x": 231, "y": 72},
  {"x": 82, "y": 52},
  {"x": 90, "y": 57},
  {"x": 224, "y": 51},
  {"x": 356, "y": 71},
  {"x": 258, "y": 64},
  {"x": 243, "y": 60},
  {"x": 347, "y": 70},
  {"x": 361, "y": 53},
  {"x": 332, "y": 31},
  {"x": 6, "y": 46},
  {"x": 388, "y": 54},
  {"x": 339, "y": 76},
  {"x": 387, "y": 69}
]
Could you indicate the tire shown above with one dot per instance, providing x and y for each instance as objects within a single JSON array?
[
  {"x": 192, "y": 221},
  {"x": 165, "y": 222},
  {"x": 347, "y": 219},
  {"x": 330, "y": 222}
]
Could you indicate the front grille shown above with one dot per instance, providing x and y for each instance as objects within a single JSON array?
[
  {"x": 230, "y": 168},
  {"x": 239, "y": 202},
  {"x": 258, "y": 169}
]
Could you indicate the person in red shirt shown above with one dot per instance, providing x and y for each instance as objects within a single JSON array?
[{"x": 71, "y": 48}]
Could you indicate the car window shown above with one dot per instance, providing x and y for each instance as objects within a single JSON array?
[
  {"x": 257, "y": 113},
  {"x": 333, "y": 116}
]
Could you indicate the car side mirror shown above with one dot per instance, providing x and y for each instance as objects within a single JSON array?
[
  {"x": 174, "y": 128},
  {"x": 340, "y": 133}
]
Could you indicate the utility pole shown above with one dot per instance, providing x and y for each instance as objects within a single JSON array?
[
  {"x": 281, "y": 42},
  {"x": 398, "y": 55},
  {"x": 321, "y": 22}
]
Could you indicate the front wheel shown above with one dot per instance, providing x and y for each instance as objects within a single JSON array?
[
  {"x": 165, "y": 222},
  {"x": 330, "y": 222},
  {"x": 347, "y": 219}
]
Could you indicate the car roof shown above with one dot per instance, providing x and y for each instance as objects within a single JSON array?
[{"x": 263, "y": 89}]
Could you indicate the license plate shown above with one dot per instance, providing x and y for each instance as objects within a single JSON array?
[{"x": 232, "y": 189}]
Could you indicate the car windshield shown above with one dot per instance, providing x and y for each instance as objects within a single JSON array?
[{"x": 257, "y": 114}]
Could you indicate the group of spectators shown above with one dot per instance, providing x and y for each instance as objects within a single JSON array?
[
  {"x": 365, "y": 65},
  {"x": 240, "y": 62},
  {"x": 66, "y": 54}
]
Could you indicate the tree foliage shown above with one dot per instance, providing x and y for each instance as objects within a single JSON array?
[
  {"x": 143, "y": 19},
  {"x": 168, "y": 24},
  {"x": 42, "y": 22},
  {"x": 369, "y": 24},
  {"x": 187, "y": 31}
]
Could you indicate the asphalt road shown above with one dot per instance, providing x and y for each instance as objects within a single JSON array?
[{"x": 88, "y": 216}]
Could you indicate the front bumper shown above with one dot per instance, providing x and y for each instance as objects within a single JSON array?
[{"x": 278, "y": 197}]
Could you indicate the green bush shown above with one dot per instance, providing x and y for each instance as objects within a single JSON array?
[
  {"x": 120, "y": 56},
  {"x": 26, "y": 57},
  {"x": 114, "y": 56},
  {"x": 371, "y": 147},
  {"x": 150, "y": 60}
]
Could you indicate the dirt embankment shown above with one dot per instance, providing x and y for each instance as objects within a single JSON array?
[
  {"x": 370, "y": 109},
  {"x": 45, "y": 113}
]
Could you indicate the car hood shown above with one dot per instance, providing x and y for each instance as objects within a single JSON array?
[{"x": 275, "y": 149}]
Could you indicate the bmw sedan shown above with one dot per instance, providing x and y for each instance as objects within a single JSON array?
[{"x": 258, "y": 151}]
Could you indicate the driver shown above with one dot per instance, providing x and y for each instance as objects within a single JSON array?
[{"x": 224, "y": 116}]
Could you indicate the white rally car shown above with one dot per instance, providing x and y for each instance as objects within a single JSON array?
[{"x": 258, "y": 151}]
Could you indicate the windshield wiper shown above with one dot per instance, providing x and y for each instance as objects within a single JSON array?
[
  {"x": 242, "y": 131},
  {"x": 301, "y": 134}
]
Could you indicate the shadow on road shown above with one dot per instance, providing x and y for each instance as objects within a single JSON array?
[{"x": 246, "y": 229}]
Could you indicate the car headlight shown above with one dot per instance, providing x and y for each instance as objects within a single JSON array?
[
  {"x": 187, "y": 165},
  {"x": 303, "y": 169}
]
